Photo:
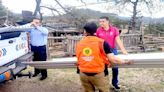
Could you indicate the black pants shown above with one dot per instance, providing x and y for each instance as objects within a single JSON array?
[{"x": 40, "y": 55}]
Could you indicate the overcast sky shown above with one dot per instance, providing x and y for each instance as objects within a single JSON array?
[{"x": 19, "y": 5}]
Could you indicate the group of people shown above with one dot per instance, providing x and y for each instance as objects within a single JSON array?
[{"x": 94, "y": 53}]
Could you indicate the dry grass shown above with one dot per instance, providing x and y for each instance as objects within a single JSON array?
[{"x": 66, "y": 80}]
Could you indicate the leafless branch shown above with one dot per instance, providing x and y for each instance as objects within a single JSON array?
[
  {"x": 50, "y": 8},
  {"x": 65, "y": 9},
  {"x": 61, "y": 6},
  {"x": 83, "y": 2},
  {"x": 37, "y": 9}
]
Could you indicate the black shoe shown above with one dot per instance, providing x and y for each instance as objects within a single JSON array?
[
  {"x": 42, "y": 78},
  {"x": 116, "y": 87},
  {"x": 34, "y": 75}
]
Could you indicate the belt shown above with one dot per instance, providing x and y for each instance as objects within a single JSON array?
[
  {"x": 90, "y": 74},
  {"x": 38, "y": 46}
]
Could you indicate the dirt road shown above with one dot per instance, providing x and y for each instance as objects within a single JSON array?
[{"x": 66, "y": 80}]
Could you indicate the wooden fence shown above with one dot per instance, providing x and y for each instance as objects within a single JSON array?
[
  {"x": 68, "y": 42},
  {"x": 131, "y": 39},
  {"x": 72, "y": 41}
]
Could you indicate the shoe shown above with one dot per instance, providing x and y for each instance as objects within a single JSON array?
[
  {"x": 42, "y": 78},
  {"x": 116, "y": 87},
  {"x": 34, "y": 75}
]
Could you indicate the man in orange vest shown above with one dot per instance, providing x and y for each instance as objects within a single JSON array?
[{"x": 92, "y": 54}]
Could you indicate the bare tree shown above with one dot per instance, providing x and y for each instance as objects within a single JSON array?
[
  {"x": 2, "y": 10},
  {"x": 134, "y": 17},
  {"x": 37, "y": 9},
  {"x": 77, "y": 21},
  {"x": 52, "y": 9},
  {"x": 151, "y": 5}
]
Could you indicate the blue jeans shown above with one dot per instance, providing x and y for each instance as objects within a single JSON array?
[{"x": 114, "y": 70}]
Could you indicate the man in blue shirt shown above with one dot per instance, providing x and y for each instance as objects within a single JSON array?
[{"x": 38, "y": 37}]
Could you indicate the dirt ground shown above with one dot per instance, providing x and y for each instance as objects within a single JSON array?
[{"x": 66, "y": 80}]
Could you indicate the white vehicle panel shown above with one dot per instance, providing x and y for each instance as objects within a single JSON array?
[{"x": 14, "y": 50}]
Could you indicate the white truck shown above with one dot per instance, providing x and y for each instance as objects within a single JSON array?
[{"x": 14, "y": 48}]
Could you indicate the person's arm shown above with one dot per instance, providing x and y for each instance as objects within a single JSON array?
[
  {"x": 115, "y": 60},
  {"x": 97, "y": 32},
  {"x": 28, "y": 25},
  {"x": 121, "y": 45},
  {"x": 111, "y": 57},
  {"x": 43, "y": 30}
]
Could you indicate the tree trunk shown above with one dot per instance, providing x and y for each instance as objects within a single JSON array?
[
  {"x": 37, "y": 9},
  {"x": 133, "y": 22}
]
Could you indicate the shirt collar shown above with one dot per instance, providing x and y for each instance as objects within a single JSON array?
[{"x": 105, "y": 30}]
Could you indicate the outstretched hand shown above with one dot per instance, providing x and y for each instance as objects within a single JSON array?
[{"x": 128, "y": 62}]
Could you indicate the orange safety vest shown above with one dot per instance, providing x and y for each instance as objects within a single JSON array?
[{"x": 91, "y": 55}]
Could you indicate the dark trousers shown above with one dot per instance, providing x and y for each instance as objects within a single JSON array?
[
  {"x": 115, "y": 70},
  {"x": 40, "y": 55}
]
